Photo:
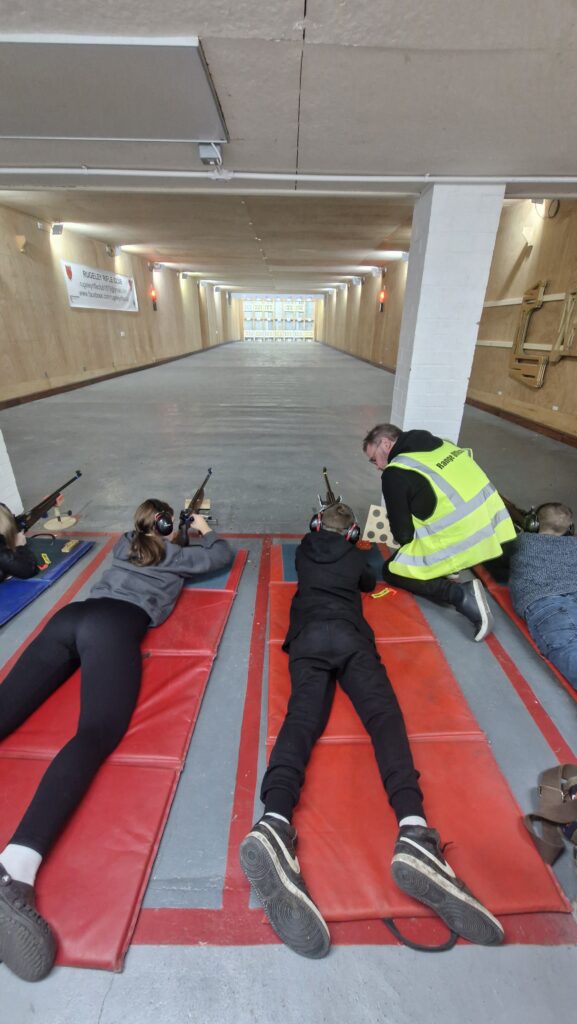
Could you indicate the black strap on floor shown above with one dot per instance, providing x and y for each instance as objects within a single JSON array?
[{"x": 442, "y": 948}]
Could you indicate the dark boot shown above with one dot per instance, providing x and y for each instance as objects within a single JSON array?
[
  {"x": 267, "y": 857},
  {"x": 471, "y": 601},
  {"x": 27, "y": 945},
  {"x": 420, "y": 870}
]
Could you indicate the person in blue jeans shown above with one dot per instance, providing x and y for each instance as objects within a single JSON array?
[{"x": 543, "y": 586}]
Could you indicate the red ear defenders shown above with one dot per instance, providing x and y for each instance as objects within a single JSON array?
[
  {"x": 353, "y": 533},
  {"x": 163, "y": 523}
]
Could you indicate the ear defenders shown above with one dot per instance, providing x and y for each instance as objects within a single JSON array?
[
  {"x": 531, "y": 523},
  {"x": 163, "y": 523},
  {"x": 353, "y": 533}
]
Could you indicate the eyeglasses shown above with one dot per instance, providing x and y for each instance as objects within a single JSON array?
[{"x": 374, "y": 459}]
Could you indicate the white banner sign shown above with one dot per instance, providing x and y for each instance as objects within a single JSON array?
[{"x": 90, "y": 288}]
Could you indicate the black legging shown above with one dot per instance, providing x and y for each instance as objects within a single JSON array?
[
  {"x": 322, "y": 653},
  {"x": 102, "y": 636}
]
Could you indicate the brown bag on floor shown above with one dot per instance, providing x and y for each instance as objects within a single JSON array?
[{"x": 557, "y": 812}]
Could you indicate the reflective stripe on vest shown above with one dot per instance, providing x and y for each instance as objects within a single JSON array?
[
  {"x": 462, "y": 507},
  {"x": 456, "y": 549},
  {"x": 462, "y": 530}
]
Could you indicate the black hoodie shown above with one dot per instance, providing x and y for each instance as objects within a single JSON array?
[
  {"x": 408, "y": 493},
  {"x": 331, "y": 572},
  {"x": 18, "y": 562}
]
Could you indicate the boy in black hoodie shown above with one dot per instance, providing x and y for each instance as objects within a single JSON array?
[{"x": 329, "y": 639}]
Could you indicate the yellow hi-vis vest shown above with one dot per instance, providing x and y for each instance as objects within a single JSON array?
[{"x": 470, "y": 522}]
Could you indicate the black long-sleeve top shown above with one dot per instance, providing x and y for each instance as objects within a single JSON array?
[
  {"x": 19, "y": 562},
  {"x": 405, "y": 492}
]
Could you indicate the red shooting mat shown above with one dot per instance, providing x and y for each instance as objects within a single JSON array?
[
  {"x": 394, "y": 618},
  {"x": 160, "y": 729},
  {"x": 347, "y": 832},
  {"x": 91, "y": 886},
  {"x": 431, "y": 700},
  {"x": 503, "y": 598},
  {"x": 346, "y": 827}
]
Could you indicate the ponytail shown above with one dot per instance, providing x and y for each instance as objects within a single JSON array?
[
  {"x": 8, "y": 527},
  {"x": 147, "y": 547}
]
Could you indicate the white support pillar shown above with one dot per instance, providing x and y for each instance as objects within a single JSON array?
[
  {"x": 453, "y": 236},
  {"x": 9, "y": 493}
]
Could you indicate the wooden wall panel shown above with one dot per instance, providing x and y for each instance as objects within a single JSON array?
[
  {"x": 44, "y": 344},
  {"x": 516, "y": 266}
]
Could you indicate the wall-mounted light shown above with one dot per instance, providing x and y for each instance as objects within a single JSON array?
[
  {"x": 383, "y": 296},
  {"x": 392, "y": 254},
  {"x": 57, "y": 229},
  {"x": 528, "y": 232},
  {"x": 546, "y": 209},
  {"x": 152, "y": 293},
  {"x": 21, "y": 242}
]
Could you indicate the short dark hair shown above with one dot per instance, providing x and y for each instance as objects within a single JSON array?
[
  {"x": 381, "y": 430},
  {"x": 555, "y": 517},
  {"x": 338, "y": 518}
]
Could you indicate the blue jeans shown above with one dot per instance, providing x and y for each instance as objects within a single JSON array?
[{"x": 552, "y": 622}]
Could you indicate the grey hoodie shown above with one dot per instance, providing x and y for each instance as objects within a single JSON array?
[{"x": 156, "y": 588}]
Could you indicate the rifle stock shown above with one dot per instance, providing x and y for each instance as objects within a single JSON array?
[
  {"x": 27, "y": 519},
  {"x": 518, "y": 515}
]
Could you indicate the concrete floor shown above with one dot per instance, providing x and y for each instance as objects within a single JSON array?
[{"x": 267, "y": 417}]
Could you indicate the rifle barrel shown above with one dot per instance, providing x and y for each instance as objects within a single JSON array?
[{"x": 330, "y": 498}]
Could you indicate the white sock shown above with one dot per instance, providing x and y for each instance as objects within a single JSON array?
[
  {"x": 413, "y": 819},
  {"x": 273, "y": 814},
  {"x": 21, "y": 862}
]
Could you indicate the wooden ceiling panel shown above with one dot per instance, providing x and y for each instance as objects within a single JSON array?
[{"x": 249, "y": 242}]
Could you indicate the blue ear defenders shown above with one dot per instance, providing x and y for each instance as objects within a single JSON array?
[
  {"x": 353, "y": 533},
  {"x": 163, "y": 523}
]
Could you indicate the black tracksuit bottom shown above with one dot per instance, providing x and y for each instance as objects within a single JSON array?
[
  {"x": 441, "y": 590},
  {"x": 102, "y": 636},
  {"x": 321, "y": 654}
]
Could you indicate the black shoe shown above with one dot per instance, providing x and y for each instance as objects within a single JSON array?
[
  {"x": 473, "y": 604},
  {"x": 267, "y": 857},
  {"x": 420, "y": 870},
  {"x": 27, "y": 945}
]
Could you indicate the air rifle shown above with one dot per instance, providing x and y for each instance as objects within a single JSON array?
[
  {"x": 191, "y": 510},
  {"x": 518, "y": 515},
  {"x": 329, "y": 497},
  {"x": 27, "y": 519}
]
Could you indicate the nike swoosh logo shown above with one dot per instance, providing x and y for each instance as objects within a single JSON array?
[{"x": 291, "y": 861}]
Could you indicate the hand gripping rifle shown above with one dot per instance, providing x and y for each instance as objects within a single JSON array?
[
  {"x": 27, "y": 519},
  {"x": 329, "y": 497},
  {"x": 191, "y": 510}
]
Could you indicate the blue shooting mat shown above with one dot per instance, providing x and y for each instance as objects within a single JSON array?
[
  {"x": 210, "y": 580},
  {"x": 49, "y": 551},
  {"x": 374, "y": 560}
]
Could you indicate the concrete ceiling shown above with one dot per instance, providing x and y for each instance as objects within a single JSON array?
[{"x": 332, "y": 99}]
